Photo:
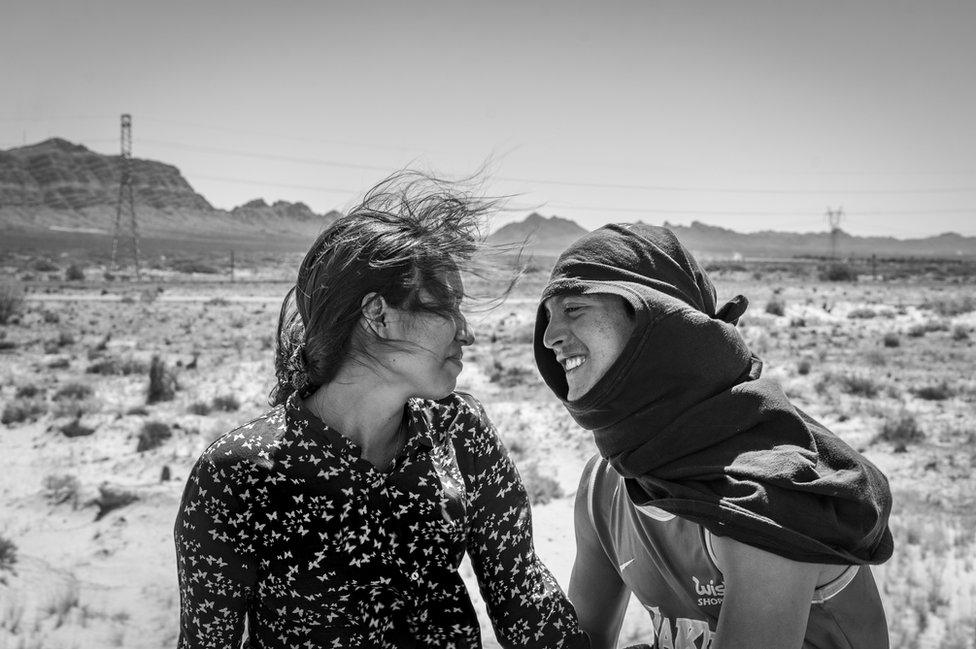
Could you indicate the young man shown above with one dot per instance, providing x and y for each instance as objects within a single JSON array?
[{"x": 734, "y": 518}]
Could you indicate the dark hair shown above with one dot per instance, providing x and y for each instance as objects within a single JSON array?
[{"x": 406, "y": 233}]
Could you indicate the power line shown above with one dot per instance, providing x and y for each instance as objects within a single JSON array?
[
  {"x": 544, "y": 181},
  {"x": 292, "y": 138}
]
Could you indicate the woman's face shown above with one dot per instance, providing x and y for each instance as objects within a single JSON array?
[
  {"x": 428, "y": 357},
  {"x": 587, "y": 334}
]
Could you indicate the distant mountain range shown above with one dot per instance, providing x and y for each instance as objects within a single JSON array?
[
  {"x": 58, "y": 186},
  {"x": 551, "y": 235}
]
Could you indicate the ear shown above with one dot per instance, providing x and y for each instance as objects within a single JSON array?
[{"x": 373, "y": 308}]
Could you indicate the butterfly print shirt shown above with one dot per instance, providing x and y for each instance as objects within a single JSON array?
[{"x": 287, "y": 537}]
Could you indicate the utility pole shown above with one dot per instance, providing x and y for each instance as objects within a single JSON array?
[
  {"x": 833, "y": 221},
  {"x": 126, "y": 202}
]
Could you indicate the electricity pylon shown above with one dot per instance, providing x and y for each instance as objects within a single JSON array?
[{"x": 126, "y": 200}]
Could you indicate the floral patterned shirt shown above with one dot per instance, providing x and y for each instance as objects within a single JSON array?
[{"x": 285, "y": 526}]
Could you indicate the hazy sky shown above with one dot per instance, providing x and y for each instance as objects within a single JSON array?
[{"x": 748, "y": 115}]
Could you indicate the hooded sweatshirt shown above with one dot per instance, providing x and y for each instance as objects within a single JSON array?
[{"x": 684, "y": 415}]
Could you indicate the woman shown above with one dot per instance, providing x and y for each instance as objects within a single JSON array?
[
  {"x": 734, "y": 518},
  {"x": 339, "y": 518}
]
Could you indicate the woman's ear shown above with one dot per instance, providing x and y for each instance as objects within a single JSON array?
[{"x": 373, "y": 308}]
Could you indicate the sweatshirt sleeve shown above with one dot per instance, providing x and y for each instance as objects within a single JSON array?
[
  {"x": 215, "y": 573},
  {"x": 526, "y": 606}
]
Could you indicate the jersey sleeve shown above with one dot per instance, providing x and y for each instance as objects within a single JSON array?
[
  {"x": 526, "y": 606},
  {"x": 215, "y": 573}
]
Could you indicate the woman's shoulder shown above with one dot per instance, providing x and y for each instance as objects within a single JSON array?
[
  {"x": 455, "y": 417},
  {"x": 254, "y": 442}
]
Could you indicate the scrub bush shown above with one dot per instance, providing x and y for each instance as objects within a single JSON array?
[
  {"x": 861, "y": 314},
  {"x": 891, "y": 339},
  {"x": 162, "y": 382},
  {"x": 73, "y": 391},
  {"x": 201, "y": 408},
  {"x": 74, "y": 273},
  {"x": 540, "y": 488},
  {"x": 226, "y": 403},
  {"x": 22, "y": 410},
  {"x": 8, "y": 557},
  {"x": 839, "y": 273},
  {"x": 901, "y": 430},
  {"x": 153, "y": 435},
  {"x": 62, "y": 488},
  {"x": 775, "y": 306},
  {"x": 11, "y": 302},
  {"x": 937, "y": 392}
]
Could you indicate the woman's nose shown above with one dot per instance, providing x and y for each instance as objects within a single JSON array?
[{"x": 464, "y": 334}]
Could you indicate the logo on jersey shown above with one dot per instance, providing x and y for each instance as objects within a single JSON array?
[{"x": 709, "y": 594}]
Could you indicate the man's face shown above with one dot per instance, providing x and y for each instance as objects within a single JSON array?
[{"x": 587, "y": 334}]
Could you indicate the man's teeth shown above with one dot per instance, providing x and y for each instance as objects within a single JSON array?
[{"x": 574, "y": 362}]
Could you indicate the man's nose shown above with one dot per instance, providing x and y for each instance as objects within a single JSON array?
[{"x": 555, "y": 333}]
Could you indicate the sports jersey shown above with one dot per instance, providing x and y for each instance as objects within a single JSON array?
[{"x": 667, "y": 563}]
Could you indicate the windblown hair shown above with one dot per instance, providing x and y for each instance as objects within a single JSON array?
[{"x": 408, "y": 231}]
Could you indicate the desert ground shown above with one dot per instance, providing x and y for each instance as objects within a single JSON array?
[{"x": 95, "y": 454}]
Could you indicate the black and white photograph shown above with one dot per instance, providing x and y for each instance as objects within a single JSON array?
[{"x": 455, "y": 325}]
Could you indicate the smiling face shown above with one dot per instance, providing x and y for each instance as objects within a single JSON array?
[
  {"x": 427, "y": 348},
  {"x": 587, "y": 334}
]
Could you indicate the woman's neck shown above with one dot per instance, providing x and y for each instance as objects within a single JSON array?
[{"x": 365, "y": 410}]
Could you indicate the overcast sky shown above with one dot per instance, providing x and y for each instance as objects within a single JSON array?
[{"x": 748, "y": 115}]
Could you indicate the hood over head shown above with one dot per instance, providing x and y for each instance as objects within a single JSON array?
[{"x": 685, "y": 416}]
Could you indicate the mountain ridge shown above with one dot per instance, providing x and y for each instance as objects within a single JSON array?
[{"x": 57, "y": 185}]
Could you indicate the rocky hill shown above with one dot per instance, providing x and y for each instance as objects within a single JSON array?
[
  {"x": 59, "y": 175},
  {"x": 59, "y": 186},
  {"x": 539, "y": 234}
]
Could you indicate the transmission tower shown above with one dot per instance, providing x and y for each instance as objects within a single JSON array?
[
  {"x": 833, "y": 220},
  {"x": 126, "y": 201}
]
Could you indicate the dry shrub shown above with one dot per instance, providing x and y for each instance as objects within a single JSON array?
[
  {"x": 28, "y": 391},
  {"x": 226, "y": 403},
  {"x": 919, "y": 330},
  {"x": 162, "y": 382},
  {"x": 22, "y": 410},
  {"x": 8, "y": 558},
  {"x": 891, "y": 339},
  {"x": 74, "y": 273},
  {"x": 948, "y": 307},
  {"x": 901, "y": 430},
  {"x": 193, "y": 266},
  {"x": 152, "y": 435},
  {"x": 111, "y": 497},
  {"x": 854, "y": 384},
  {"x": 863, "y": 313},
  {"x": 510, "y": 377},
  {"x": 960, "y": 332},
  {"x": 11, "y": 302},
  {"x": 73, "y": 391},
  {"x": 112, "y": 366},
  {"x": 62, "y": 488},
  {"x": 44, "y": 266},
  {"x": 775, "y": 306},
  {"x": 936, "y": 392},
  {"x": 839, "y": 273},
  {"x": 875, "y": 358},
  {"x": 541, "y": 488},
  {"x": 201, "y": 408}
]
